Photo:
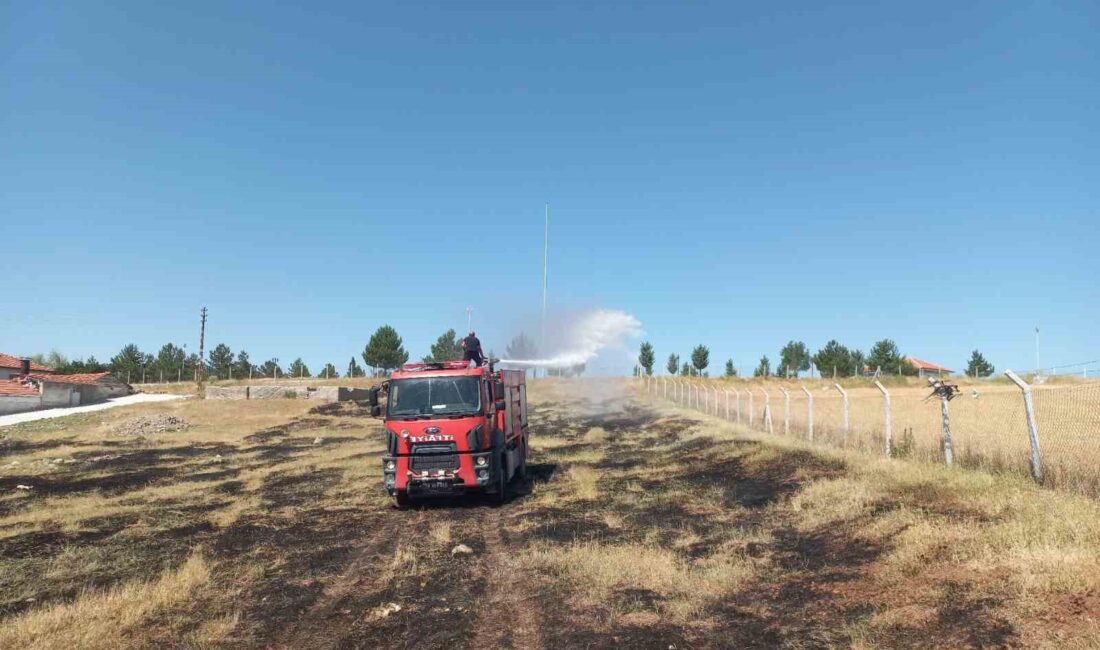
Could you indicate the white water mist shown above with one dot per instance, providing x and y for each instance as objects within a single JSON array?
[{"x": 581, "y": 338}]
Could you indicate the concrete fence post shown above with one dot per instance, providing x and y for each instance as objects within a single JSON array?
[
  {"x": 751, "y": 407},
  {"x": 809, "y": 412},
  {"x": 948, "y": 447},
  {"x": 1032, "y": 428},
  {"x": 786, "y": 411},
  {"x": 664, "y": 387},
  {"x": 767, "y": 411},
  {"x": 844, "y": 394},
  {"x": 727, "y": 404},
  {"x": 706, "y": 399},
  {"x": 716, "y": 401},
  {"x": 887, "y": 434},
  {"x": 737, "y": 394}
]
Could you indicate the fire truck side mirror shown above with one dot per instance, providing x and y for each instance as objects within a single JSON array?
[
  {"x": 498, "y": 390},
  {"x": 500, "y": 405},
  {"x": 376, "y": 411},
  {"x": 372, "y": 398}
]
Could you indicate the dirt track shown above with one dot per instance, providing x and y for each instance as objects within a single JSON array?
[{"x": 638, "y": 527}]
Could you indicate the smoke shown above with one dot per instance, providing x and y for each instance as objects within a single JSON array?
[{"x": 578, "y": 339}]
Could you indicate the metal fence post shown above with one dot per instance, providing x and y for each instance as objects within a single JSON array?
[
  {"x": 751, "y": 417},
  {"x": 716, "y": 401},
  {"x": 887, "y": 434},
  {"x": 706, "y": 399},
  {"x": 737, "y": 393},
  {"x": 664, "y": 387},
  {"x": 1032, "y": 428},
  {"x": 844, "y": 394},
  {"x": 809, "y": 412},
  {"x": 727, "y": 404}
]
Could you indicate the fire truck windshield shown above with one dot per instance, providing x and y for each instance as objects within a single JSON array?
[{"x": 434, "y": 397}]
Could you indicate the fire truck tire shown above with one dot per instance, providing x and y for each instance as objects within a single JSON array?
[
  {"x": 401, "y": 499},
  {"x": 502, "y": 479},
  {"x": 521, "y": 471}
]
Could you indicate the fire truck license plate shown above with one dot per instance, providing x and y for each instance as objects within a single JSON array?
[{"x": 436, "y": 486}]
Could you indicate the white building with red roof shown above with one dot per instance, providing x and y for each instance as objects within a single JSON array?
[
  {"x": 13, "y": 366},
  {"x": 926, "y": 368},
  {"x": 33, "y": 386}
]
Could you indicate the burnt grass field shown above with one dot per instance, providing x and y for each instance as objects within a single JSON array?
[{"x": 640, "y": 526}]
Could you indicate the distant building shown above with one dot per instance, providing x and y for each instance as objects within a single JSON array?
[
  {"x": 13, "y": 367},
  {"x": 926, "y": 368},
  {"x": 31, "y": 386}
]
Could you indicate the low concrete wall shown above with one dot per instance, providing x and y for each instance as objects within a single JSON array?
[
  {"x": 55, "y": 395},
  {"x": 19, "y": 403},
  {"x": 319, "y": 393}
]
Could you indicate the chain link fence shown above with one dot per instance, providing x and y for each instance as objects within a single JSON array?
[{"x": 987, "y": 425}]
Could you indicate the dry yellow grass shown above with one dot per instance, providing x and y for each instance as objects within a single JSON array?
[
  {"x": 598, "y": 570},
  {"x": 109, "y": 619},
  {"x": 585, "y": 481},
  {"x": 988, "y": 423}
]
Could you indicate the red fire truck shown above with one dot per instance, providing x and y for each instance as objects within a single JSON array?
[{"x": 452, "y": 429}]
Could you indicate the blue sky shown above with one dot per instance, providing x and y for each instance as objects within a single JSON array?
[{"x": 734, "y": 175}]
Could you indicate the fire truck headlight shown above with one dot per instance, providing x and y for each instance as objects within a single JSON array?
[
  {"x": 482, "y": 461},
  {"x": 391, "y": 466}
]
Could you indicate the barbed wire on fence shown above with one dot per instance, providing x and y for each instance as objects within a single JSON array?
[{"x": 1049, "y": 431}]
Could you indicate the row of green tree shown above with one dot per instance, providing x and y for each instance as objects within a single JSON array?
[
  {"x": 832, "y": 359},
  {"x": 384, "y": 352}
]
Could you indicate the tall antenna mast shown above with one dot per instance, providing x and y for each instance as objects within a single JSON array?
[{"x": 545, "y": 257}]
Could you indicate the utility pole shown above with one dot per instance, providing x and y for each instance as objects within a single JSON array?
[
  {"x": 545, "y": 259},
  {"x": 202, "y": 349},
  {"x": 469, "y": 319}
]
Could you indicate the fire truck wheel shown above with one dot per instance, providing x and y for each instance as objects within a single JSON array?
[
  {"x": 401, "y": 499},
  {"x": 502, "y": 481},
  {"x": 521, "y": 471}
]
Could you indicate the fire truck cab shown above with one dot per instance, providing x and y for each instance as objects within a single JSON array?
[{"x": 452, "y": 429}]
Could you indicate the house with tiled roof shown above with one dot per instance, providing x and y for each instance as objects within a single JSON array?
[
  {"x": 927, "y": 368},
  {"x": 13, "y": 366},
  {"x": 34, "y": 387}
]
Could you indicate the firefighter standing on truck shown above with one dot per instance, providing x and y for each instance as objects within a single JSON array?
[{"x": 472, "y": 347}]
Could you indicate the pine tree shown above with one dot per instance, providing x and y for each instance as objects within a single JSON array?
[
  {"x": 170, "y": 362},
  {"x": 673, "y": 364},
  {"x": 221, "y": 361},
  {"x": 686, "y": 370},
  {"x": 886, "y": 356},
  {"x": 731, "y": 371},
  {"x": 242, "y": 369},
  {"x": 385, "y": 350},
  {"x": 700, "y": 358},
  {"x": 328, "y": 372},
  {"x": 354, "y": 369},
  {"x": 836, "y": 359},
  {"x": 445, "y": 348},
  {"x": 978, "y": 366},
  {"x": 646, "y": 357},
  {"x": 793, "y": 359},
  {"x": 764, "y": 369},
  {"x": 272, "y": 369},
  {"x": 298, "y": 368},
  {"x": 126, "y": 365}
]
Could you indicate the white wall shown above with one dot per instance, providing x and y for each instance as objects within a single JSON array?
[{"x": 19, "y": 403}]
